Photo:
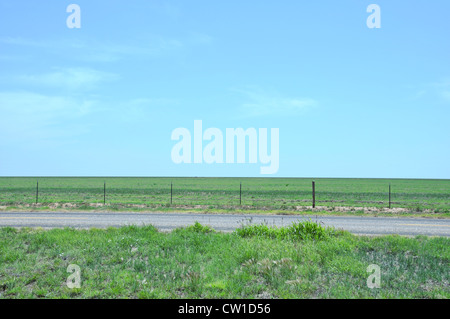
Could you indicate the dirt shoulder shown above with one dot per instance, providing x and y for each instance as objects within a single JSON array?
[{"x": 304, "y": 210}]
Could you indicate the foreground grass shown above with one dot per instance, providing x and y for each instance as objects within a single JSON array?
[{"x": 303, "y": 261}]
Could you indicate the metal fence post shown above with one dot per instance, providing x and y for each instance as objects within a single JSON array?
[
  {"x": 314, "y": 194},
  {"x": 104, "y": 193},
  {"x": 240, "y": 194},
  {"x": 389, "y": 195},
  {"x": 37, "y": 191},
  {"x": 171, "y": 193}
]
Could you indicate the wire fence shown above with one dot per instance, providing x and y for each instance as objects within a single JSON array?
[{"x": 289, "y": 194}]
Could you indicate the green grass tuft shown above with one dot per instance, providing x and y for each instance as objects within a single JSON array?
[{"x": 307, "y": 230}]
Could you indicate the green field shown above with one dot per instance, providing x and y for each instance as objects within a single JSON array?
[
  {"x": 285, "y": 194},
  {"x": 197, "y": 262}
]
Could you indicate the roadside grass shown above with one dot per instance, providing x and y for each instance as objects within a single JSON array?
[
  {"x": 256, "y": 261},
  {"x": 236, "y": 209}
]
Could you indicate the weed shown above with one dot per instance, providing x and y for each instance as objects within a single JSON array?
[
  {"x": 199, "y": 228},
  {"x": 307, "y": 230}
]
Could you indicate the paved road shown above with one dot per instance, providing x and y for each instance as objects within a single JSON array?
[{"x": 169, "y": 221}]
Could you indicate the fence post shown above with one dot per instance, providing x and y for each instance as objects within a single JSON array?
[
  {"x": 171, "y": 193},
  {"x": 104, "y": 193},
  {"x": 37, "y": 191},
  {"x": 389, "y": 195},
  {"x": 240, "y": 194},
  {"x": 314, "y": 194}
]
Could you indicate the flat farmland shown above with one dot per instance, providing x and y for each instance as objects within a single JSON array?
[{"x": 284, "y": 194}]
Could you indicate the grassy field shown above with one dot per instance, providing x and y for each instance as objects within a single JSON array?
[
  {"x": 301, "y": 261},
  {"x": 286, "y": 194}
]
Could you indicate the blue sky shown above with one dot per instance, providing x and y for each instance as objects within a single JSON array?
[{"x": 103, "y": 100}]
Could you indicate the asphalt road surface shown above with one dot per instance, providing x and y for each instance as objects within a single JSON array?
[{"x": 224, "y": 222}]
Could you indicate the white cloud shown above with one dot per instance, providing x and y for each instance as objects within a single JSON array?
[
  {"x": 445, "y": 83},
  {"x": 23, "y": 42},
  {"x": 443, "y": 88},
  {"x": 261, "y": 103},
  {"x": 69, "y": 78},
  {"x": 143, "y": 109},
  {"x": 14, "y": 58},
  {"x": 93, "y": 50},
  {"x": 436, "y": 90},
  {"x": 38, "y": 117},
  {"x": 31, "y": 117},
  {"x": 200, "y": 38},
  {"x": 446, "y": 95}
]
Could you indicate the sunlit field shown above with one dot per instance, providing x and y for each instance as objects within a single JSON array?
[{"x": 288, "y": 194}]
